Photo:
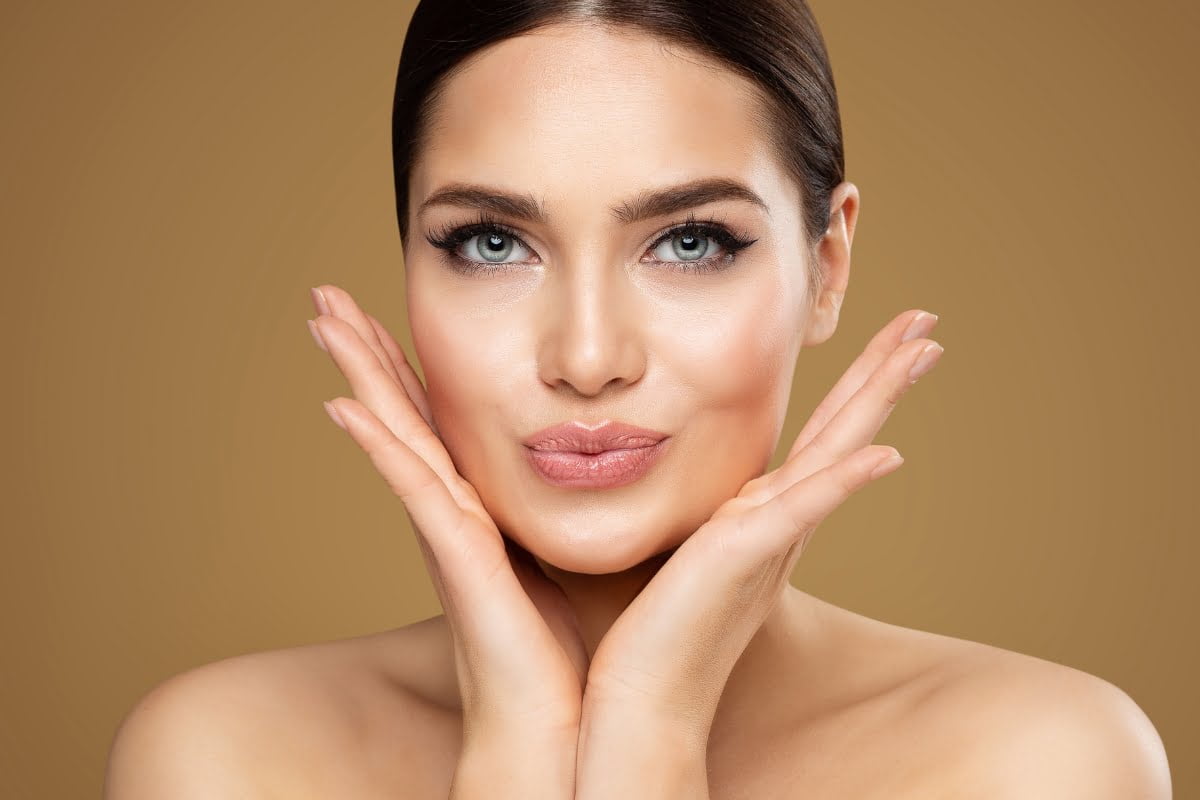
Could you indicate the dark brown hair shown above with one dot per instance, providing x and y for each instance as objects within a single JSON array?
[{"x": 774, "y": 43}]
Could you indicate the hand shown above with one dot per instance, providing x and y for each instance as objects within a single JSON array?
[
  {"x": 666, "y": 659},
  {"x": 520, "y": 659}
]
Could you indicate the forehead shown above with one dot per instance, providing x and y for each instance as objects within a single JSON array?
[{"x": 586, "y": 114}]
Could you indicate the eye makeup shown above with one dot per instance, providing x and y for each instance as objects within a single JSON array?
[{"x": 450, "y": 238}]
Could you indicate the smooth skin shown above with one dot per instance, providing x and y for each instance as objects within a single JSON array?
[
  {"x": 642, "y": 641},
  {"x": 657, "y": 676},
  {"x": 367, "y": 717}
]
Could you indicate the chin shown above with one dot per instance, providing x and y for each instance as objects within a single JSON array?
[{"x": 593, "y": 542}]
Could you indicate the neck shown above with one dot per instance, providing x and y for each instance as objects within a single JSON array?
[
  {"x": 782, "y": 654},
  {"x": 598, "y": 600}
]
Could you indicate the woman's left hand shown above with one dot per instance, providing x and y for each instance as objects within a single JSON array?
[{"x": 665, "y": 661}]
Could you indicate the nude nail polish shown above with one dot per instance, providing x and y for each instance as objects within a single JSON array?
[
  {"x": 319, "y": 301},
  {"x": 925, "y": 361},
  {"x": 334, "y": 415},
  {"x": 921, "y": 325},
  {"x": 316, "y": 334}
]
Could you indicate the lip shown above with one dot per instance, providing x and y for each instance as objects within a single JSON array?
[
  {"x": 578, "y": 437},
  {"x": 612, "y": 454}
]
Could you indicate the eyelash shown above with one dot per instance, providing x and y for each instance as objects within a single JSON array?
[{"x": 450, "y": 237}]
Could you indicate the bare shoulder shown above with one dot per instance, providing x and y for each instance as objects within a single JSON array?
[
  {"x": 1026, "y": 727},
  {"x": 325, "y": 719}
]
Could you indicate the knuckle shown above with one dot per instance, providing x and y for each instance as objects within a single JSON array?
[
  {"x": 820, "y": 448},
  {"x": 463, "y": 492},
  {"x": 803, "y": 524},
  {"x": 889, "y": 385},
  {"x": 410, "y": 495},
  {"x": 892, "y": 396},
  {"x": 751, "y": 487},
  {"x": 803, "y": 518},
  {"x": 730, "y": 540},
  {"x": 848, "y": 478}
]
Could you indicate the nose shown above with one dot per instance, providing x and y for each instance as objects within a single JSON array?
[{"x": 591, "y": 336}]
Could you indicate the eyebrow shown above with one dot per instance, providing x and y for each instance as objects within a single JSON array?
[{"x": 654, "y": 203}]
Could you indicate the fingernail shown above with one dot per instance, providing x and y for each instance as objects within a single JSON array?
[
  {"x": 333, "y": 414},
  {"x": 887, "y": 465},
  {"x": 928, "y": 357},
  {"x": 316, "y": 334},
  {"x": 922, "y": 324},
  {"x": 319, "y": 301}
]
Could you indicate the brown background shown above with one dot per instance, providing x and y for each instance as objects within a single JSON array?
[{"x": 176, "y": 176}]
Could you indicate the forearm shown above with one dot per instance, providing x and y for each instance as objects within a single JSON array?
[{"x": 628, "y": 755}]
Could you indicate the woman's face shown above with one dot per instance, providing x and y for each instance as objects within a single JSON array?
[{"x": 598, "y": 312}]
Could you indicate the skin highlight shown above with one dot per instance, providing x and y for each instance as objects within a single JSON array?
[
  {"x": 579, "y": 324},
  {"x": 579, "y": 327}
]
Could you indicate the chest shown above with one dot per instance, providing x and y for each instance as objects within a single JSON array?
[
  {"x": 851, "y": 761},
  {"x": 835, "y": 769},
  {"x": 902, "y": 745},
  {"x": 827, "y": 775}
]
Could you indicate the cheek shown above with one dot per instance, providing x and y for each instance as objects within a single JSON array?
[
  {"x": 737, "y": 354},
  {"x": 735, "y": 363},
  {"x": 468, "y": 359}
]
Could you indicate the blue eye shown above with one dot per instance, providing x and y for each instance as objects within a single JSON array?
[
  {"x": 493, "y": 244},
  {"x": 494, "y": 241},
  {"x": 697, "y": 238}
]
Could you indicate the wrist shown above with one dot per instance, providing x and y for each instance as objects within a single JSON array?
[
  {"x": 631, "y": 753},
  {"x": 636, "y": 730},
  {"x": 515, "y": 766},
  {"x": 684, "y": 724}
]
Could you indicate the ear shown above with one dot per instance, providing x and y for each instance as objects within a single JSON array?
[{"x": 833, "y": 252}]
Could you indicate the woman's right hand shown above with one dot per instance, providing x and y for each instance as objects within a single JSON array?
[{"x": 521, "y": 662}]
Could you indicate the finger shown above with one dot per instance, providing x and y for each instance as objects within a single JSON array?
[
  {"x": 787, "y": 520},
  {"x": 857, "y": 422},
  {"x": 465, "y": 554},
  {"x": 877, "y": 350},
  {"x": 438, "y": 518},
  {"x": 494, "y": 622},
  {"x": 551, "y": 602},
  {"x": 334, "y": 300},
  {"x": 432, "y": 567},
  {"x": 383, "y": 395},
  {"x": 412, "y": 383}
]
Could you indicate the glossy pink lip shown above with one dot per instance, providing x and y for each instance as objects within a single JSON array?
[
  {"x": 574, "y": 455},
  {"x": 576, "y": 437}
]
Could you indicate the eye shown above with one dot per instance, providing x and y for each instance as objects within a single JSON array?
[
  {"x": 493, "y": 246},
  {"x": 489, "y": 242},
  {"x": 693, "y": 241}
]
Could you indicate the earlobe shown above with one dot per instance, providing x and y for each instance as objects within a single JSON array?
[{"x": 823, "y": 318}]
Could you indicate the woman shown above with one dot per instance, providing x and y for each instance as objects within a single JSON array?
[{"x": 621, "y": 224}]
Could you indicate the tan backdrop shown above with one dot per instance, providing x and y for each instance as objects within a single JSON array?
[{"x": 174, "y": 177}]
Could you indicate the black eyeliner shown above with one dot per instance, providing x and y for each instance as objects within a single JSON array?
[{"x": 449, "y": 237}]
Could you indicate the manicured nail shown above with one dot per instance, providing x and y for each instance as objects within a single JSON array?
[
  {"x": 319, "y": 301},
  {"x": 928, "y": 357},
  {"x": 921, "y": 325},
  {"x": 887, "y": 465},
  {"x": 316, "y": 334},
  {"x": 333, "y": 414}
]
